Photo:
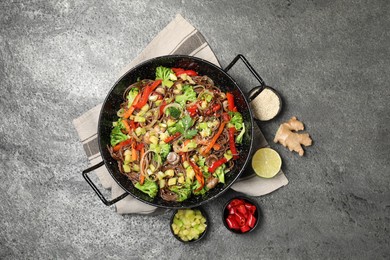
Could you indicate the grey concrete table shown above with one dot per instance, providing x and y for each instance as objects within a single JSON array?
[{"x": 328, "y": 59}]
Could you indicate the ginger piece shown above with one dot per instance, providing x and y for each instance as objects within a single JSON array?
[{"x": 293, "y": 141}]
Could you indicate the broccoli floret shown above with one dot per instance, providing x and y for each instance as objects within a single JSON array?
[
  {"x": 149, "y": 187},
  {"x": 220, "y": 173},
  {"x": 183, "y": 192},
  {"x": 189, "y": 94},
  {"x": 166, "y": 75},
  {"x": 240, "y": 136},
  {"x": 236, "y": 120},
  {"x": 116, "y": 135},
  {"x": 164, "y": 150}
]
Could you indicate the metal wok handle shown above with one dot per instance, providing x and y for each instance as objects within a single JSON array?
[
  {"x": 256, "y": 90},
  {"x": 97, "y": 191}
]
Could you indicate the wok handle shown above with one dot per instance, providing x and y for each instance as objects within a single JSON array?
[
  {"x": 97, "y": 191},
  {"x": 256, "y": 90}
]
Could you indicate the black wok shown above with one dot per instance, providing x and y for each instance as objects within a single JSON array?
[{"x": 146, "y": 70}]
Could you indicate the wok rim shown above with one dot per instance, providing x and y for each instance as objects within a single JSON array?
[{"x": 145, "y": 63}]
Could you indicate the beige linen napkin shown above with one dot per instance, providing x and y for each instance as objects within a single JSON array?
[{"x": 178, "y": 37}]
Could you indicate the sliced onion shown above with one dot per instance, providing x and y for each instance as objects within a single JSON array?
[
  {"x": 142, "y": 167},
  {"x": 175, "y": 105}
]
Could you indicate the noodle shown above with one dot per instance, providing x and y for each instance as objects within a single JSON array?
[{"x": 162, "y": 131}]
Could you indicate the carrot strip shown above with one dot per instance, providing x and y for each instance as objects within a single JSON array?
[
  {"x": 172, "y": 137},
  {"x": 117, "y": 147},
  {"x": 130, "y": 111},
  {"x": 142, "y": 176},
  {"x": 198, "y": 174},
  {"x": 127, "y": 126},
  {"x": 214, "y": 139},
  {"x": 134, "y": 154},
  {"x": 217, "y": 147}
]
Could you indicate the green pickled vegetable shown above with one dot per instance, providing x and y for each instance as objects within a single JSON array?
[{"x": 189, "y": 224}]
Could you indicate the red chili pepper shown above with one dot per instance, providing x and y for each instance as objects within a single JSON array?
[
  {"x": 122, "y": 144},
  {"x": 232, "y": 142},
  {"x": 240, "y": 218},
  {"x": 235, "y": 203},
  {"x": 216, "y": 164},
  {"x": 198, "y": 174},
  {"x": 232, "y": 223},
  {"x": 250, "y": 208},
  {"x": 172, "y": 137},
  {"x": 245, "y": 228},
  {"x": 251, "y": 221},
  {"x": 230, "y": 99},
  {"x": 242, "y": 213},
  {"x": 232, "y": 210},
  {"x": 242, "y": 209}
]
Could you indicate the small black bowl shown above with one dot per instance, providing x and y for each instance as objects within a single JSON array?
[
  {"x": 201, "y": 236},
  {"x": 257, "y": 214}
]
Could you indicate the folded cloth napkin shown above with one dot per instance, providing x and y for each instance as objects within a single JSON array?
[{"x": 178, "y": 37}]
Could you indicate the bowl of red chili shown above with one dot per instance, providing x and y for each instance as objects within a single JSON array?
[{"x": 241, "y": 215}]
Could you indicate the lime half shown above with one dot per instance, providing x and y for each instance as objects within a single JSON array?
[{"x": 266, "y": 162}]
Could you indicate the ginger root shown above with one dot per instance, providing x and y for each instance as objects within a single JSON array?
[{"x": 293, "y": 141}]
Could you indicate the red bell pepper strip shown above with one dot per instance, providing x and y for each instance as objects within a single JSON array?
[
  {"x": 198, "y": 175},
  {"x": 216, "y": 164},
  {"x": 145, "y": 95},
  {"x": 155, "y": 84},
  {"x": 191, "y": 73},
  {"x": 172, "y": 137},
  {"x": 121, "y": 144},
  {"x": 162, "y": 106},
  {"x": 179, "y": 71},
  {"x": 230, "y": 99},
  {"x": 144, "y": 98},
  {"x": 139, "y": 146},
  {"x": 232, "y": 142}
]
